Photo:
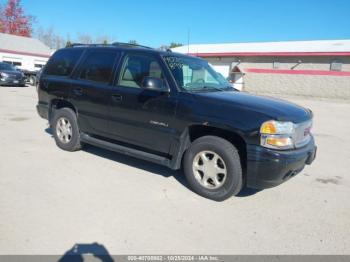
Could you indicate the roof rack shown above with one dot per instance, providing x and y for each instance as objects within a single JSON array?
[
  {"x": 80, "y": 44},
  {"x": 116, "y": 44},
  {"x": 130, "y": 45}
]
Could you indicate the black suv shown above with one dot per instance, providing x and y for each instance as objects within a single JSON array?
[{"x": 173, "y": 110}]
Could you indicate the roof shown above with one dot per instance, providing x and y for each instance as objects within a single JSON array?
[
  {"x": 23, "y": 45},
  {"x": 289, "y": 48},
  {"x": 126, "y": 46}
]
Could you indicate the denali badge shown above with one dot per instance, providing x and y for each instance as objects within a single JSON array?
[
  {"x": 307, "y": 131},
  {"x": 158, "y": 123}
]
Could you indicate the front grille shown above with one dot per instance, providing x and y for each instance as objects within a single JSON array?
[
  {"x": 14, "y": 77},
  {"x": 302, "y": 135}
]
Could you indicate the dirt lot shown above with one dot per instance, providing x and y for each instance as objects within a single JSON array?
[{"x": 51, "y": 199}]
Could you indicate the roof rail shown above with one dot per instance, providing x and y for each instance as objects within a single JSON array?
[
  {"x": 130, "y": 45},
  {"x": 116, "y": 44},
  {"x": 80, "y": 44}
]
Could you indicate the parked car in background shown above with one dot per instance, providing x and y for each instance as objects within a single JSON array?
[
  {"x": 173, "y": 110},
  {"x": 11, "y": 76}
]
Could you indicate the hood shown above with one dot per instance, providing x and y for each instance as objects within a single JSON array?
[
  {"x": 12, "y": 72},
  {"x": 273, "y": 108}
]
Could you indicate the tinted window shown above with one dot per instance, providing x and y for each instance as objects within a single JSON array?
[
  {"x": 63, "y": 62},
  {"x": 98, "y": 66},
  {"x": 136, "y": 68}
]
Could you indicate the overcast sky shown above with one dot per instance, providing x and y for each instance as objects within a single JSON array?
[{"x": 156, "y": 22}]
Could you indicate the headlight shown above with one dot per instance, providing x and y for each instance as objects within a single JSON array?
[
  {"x": 4, "y": 74},
  {"x": 277, "y": 135}
]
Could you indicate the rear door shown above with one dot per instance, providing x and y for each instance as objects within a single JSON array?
[{"x": 91, "y": 89}]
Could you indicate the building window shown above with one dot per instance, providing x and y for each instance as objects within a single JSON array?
[
  {"x": 38, "y": 66},
  {"x": 336, "y": 65},
  {"x": 276, "y": 65},
  {"x": 13, "y": 63}
]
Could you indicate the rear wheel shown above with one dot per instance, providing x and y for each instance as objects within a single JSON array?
[
  {"x": 66, "y": 130},
  {"x": 213, "y": 169}
]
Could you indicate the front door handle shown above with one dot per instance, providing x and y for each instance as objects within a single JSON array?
[
  {"x": 78, "y": 91},
  {"x": 117, "y": 98}
]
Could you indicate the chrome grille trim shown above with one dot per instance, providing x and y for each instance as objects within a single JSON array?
[{"x": 302, "y": 135}]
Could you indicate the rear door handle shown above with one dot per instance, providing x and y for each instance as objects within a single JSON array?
[
  {"x": 117, "y": 97},
  {"x": 78, "y": 91}
]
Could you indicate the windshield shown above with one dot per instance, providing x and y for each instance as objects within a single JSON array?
[
  {"x": 193, "y": 74},
  {"x": 8, "y": 67}
]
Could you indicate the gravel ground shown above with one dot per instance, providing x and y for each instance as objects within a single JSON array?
[{"x": 51, "y": 199}]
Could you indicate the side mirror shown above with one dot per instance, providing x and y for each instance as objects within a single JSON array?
[{"x": 153, "y": 83}]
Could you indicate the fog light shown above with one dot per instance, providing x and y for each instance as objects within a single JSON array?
[{"x": 279, "y": 141}]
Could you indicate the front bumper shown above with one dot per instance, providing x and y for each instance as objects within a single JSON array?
[
  {"x": 43, "y": 110},
  {"x": 268, "y": 168},
  {"x": 12, "y": 82}
]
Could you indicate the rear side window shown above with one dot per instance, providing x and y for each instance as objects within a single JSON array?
[
  {"x": 63, "y": 62},
  {"x": 98, "y": 66}
]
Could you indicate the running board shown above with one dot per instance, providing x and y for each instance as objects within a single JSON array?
[{"x": 125, "y": 150}]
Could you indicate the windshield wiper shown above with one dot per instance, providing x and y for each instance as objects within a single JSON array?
[
  {"x": 210, "y": 88},
  {"x": 213, "y": 88}
]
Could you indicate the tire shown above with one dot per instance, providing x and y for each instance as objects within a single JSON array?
[
  {"x": 67, "y": 136},
  {"x": 227, "y": 162},
  {"x": 32, "y": 80}
]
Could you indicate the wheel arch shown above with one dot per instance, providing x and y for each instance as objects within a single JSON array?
[
  {"x": 194, "y": 132},
  {"x": 197, "y": 131},
  {"x": 58, "y": 103}
]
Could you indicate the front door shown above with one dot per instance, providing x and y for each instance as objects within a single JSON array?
[{"x": 140, "y": 116}]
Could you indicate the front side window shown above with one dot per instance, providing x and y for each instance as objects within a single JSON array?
[
  {"x": 192, "y": 74},
  {"x": 136, "y": 68},
  {"x": 63, "y": 62},
  {"x": 98, "y": 66}
]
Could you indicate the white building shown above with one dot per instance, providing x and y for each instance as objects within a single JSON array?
[
  {"x": 26, "y": 53},
  {"x": 309, "y": 68}
]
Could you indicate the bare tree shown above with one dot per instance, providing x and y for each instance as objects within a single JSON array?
[
  {"x": 55, "y": 41},
  {"x": 174, "y": 44},
  {"x": 84, "y": 38},
  {"x": 103, "y": 39},
  {"x": 50, "y": 38}
]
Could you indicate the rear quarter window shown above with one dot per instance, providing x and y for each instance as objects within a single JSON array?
[{"x": 63, "y": 62}]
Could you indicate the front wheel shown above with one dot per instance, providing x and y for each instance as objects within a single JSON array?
[{"x": 213, "y": 169}]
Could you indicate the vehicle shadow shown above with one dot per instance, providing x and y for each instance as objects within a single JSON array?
[
  {"x": 133, "y": 162},
  {"x": 75, "y": 254},
  {"x": 148, "y": 166},
  {"x": 246, "y": 192},
  {"x": 137, "y": 163}
]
